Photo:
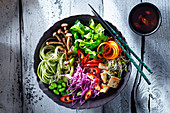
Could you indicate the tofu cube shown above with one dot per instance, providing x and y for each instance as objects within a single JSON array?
[
  {"x": 103, "y": 66},
  {"x": 113, "y": 82},
  {"x": 104, "y": 89},
  {"x": 103, "y": 77}
]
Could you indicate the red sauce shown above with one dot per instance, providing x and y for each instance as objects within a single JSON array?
[{"x": 144, "y": 18}]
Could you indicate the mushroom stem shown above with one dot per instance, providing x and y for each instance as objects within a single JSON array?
[
  {"x": 61, "y": 32},
  {"x": 68, "y": 35},
  {"x": 66, "y": 31},
  {"x": 48, "y": 43},
  {"x": 68, "y": 43},
  {"x": 64, "y": 42},
  {"x": 55, "y": 35},
  {"x": 65, "y": 54},
  {"x": 61, "y": 48}
]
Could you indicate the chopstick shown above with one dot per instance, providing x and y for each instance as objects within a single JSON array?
[
  {"x": 113, "y": 33},
  {"x": 123, "y": 42}
]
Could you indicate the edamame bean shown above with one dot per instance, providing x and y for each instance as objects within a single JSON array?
[
  {"x": 56, "y": 92},
  {"x": 62, "y": 89},
  {"x": 63, "y": 84},
  {"x": 59, "y": 86},
  {"x": 65, "y": 79},
  {"x": 54, "y": 85},
  {"x": 67, "y": 92},
  {"x": 60, "y": 81},
  {"x": 51, "y": 87},
  {"x": 63, "y": 93}
]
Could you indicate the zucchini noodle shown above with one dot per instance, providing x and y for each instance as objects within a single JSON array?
[{"x": 51, "y": 64}]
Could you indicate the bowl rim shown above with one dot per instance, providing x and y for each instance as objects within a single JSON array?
[
  {"x": 159, "y": 20},
  {"x": 62, "y": 104}
]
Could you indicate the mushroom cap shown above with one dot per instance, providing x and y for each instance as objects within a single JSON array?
[{"x": 64, "y": 25}]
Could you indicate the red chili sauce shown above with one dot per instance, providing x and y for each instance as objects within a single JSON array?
[{"x": 144, "y": 18}]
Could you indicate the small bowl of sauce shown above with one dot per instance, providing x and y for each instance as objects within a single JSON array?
[{"x": 145, "y": 19}]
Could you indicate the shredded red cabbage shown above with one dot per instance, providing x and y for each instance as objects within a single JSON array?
[{"x": 80, "y": 82}]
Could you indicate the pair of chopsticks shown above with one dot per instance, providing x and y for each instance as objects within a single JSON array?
[{"x": 114, "y": 34}]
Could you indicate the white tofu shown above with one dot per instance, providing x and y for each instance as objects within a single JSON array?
[
  {"x": 113, "y": 82},
  {"x": 104, "y": 89},
  {"x": 103, "y": 77},
  {"x": 103, "y": 66}
]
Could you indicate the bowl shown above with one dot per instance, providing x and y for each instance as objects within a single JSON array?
[
  {"x": 91, "y": 103},
  {"x": 144, "y": 19}
]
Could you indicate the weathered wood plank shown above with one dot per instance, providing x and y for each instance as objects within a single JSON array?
[
  {"x": 157, "y": 57},
  {"x": 117, "y": 13},
  {"x": 38, "y": 16},
  {"x": 10, "y": 64}
]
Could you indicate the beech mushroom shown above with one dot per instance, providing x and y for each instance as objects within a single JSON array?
[
  {"x": 48, "y": 43},
  {"x": 68, "y": 43},
  {"x": 61, "y": 32},
  {"x": 66, "y": 31},
  {"x": 55, "y": 35},
  {"x": 68, "y": 35},
  {"x": 64, "y": 25},
  {"x": 64, "y": 41}
]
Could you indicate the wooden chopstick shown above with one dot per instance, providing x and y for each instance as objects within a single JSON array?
[{"x": 113, "y": 33}]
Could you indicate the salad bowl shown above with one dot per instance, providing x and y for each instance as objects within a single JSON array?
[{"x": 91, "y": 103}]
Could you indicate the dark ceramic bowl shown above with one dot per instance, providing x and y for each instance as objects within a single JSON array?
[
  {"x": 144, "y": 6},
  {"x": 91, "y": 103}
]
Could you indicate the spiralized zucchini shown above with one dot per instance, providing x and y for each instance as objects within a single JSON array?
[{"x": 51, "y": 64}]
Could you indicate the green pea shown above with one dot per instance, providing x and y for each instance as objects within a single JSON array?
[
  {"x": 78, "y": 93},
  {"x": 65, "y": 79},
  {"x": 56, "y": 91},
  {"x": 63, "y": 93},
  {"x": 61, "y": 90},
  {"x": 59, "y": 86},
  {"x": 60, "y": 81},
  {"x": 54, "y": 85},
  {"x": 67, "y": 92},
  {"x": 63, "y": 84},
  {"x": 51, "y": 87}
]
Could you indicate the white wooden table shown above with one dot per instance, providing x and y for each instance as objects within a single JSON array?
[{"x": 23, "y": 22}]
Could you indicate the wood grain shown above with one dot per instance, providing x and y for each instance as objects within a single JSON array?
[
  {"x": 117, "y": 13},
  {"x": 157, "y": 57},
  {"x": 38, "y": 16},
  {"x": 23, "y": 22},
  {"x": 10, "y": 64},
  {"x": 36, "y": 20}
]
